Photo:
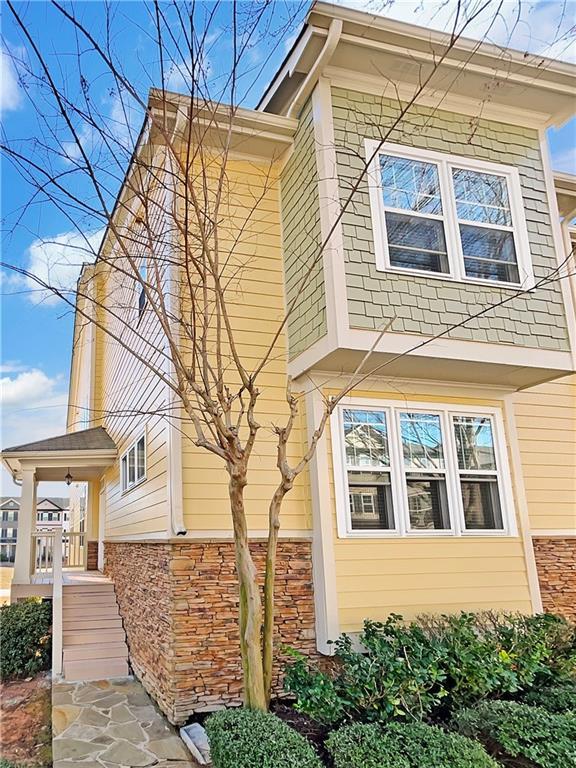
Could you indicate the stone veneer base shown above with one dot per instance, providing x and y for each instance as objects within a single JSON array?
[
  {"x": 179, "y": 604},
  {"x": 556, "y": 564}
]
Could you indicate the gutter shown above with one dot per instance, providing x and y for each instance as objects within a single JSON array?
[{"x": 332, "y": 39}]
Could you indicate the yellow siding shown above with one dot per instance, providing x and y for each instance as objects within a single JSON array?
[
  {"x": 546, "y": 425},
  {"x": 256, "y": 305},
  {"x": 410, "y": 576}
]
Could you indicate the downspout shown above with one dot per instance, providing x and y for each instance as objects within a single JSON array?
[{"x": 332, "y": 39}]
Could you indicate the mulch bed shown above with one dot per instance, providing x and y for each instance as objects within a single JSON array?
[
  {"x": 310, "y": 729},
  {"x": 26, "y": 714}
]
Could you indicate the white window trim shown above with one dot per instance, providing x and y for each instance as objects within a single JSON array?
[
  {"x": 444, "y": 161},
  {"x": 392, "y": 408},
  {"x": 137, "y": 481}
]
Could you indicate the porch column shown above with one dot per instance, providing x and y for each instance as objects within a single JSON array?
[{"x": 26, "y": 524}]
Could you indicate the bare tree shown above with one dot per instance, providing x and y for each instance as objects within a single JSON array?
[{"x": 169, "y": 236}]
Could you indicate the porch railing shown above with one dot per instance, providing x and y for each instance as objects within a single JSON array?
[{"x": 72, "y": 552}]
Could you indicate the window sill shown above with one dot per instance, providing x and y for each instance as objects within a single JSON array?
[
  {"x": 426, "y": 535},
  {"x": 457, "y": 280},
  {"x": 126, "y": 491}
]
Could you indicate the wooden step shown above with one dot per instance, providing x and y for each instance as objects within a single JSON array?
[
  {"x": 90, "y": 611},
  {"x": 117, "y": 650},
  {"x": 105, "y": 622},
  {"x": 98, "y": 669},
  {"x": 75, "y": 637},
  {"x": 92, "y": 598}
]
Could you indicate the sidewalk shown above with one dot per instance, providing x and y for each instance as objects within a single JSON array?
[{"x": 112, "y": 724}]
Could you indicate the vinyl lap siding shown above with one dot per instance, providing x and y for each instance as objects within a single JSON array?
[
  {"x": 376, "y": 577},
  {"x": 256, "y": 306},
  {"x": 546, "y": 426}
]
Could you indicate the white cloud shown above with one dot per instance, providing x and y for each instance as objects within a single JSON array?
[
  {"x": 10, "y": 93},
  {"x": 33, "y": 407},
  {"x": 57, "y": 263}
]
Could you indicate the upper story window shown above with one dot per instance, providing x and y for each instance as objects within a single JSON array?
[
  {"x": 133, "y": 464},
  {"x": 143, "y": 272},
  {"x": 9, "y": 515},
  {"x": 448, "y": 216},
  {"x": 419, "y": 470}
]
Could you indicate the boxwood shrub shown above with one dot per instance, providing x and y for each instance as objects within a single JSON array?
[
  {"x": 25, "y": 640},
  {"x": 404, "y": 745},
  {"x": 243, "y": 738},
  {"x": 559, "y": 699},
  {"x": 513, "y": 730}
]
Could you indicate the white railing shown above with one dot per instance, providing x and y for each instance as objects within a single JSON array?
[
  {"x": 71, "y": 550},
  {"x": 57, "y": 605}
]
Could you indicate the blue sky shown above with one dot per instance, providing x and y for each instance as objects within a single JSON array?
[{"x": 36, "y": 330}]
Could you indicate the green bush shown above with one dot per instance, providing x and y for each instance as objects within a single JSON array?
[
  {"x": 516, "y": 730},
  {"x": 25, "y": 640},
  {"x": 404, "y": 745},
  {"x": 560, "y": 699},
  {"x": 432, "y": 666},
  {"x": 243, "y": 738}
]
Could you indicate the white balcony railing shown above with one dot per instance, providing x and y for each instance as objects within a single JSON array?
[{"x": 72, "y": 550}]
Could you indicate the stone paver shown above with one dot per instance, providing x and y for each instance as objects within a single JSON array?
[{"x": 112, "y": 724}]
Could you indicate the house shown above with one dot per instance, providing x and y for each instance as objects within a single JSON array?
[
  {"x": 446, "y": 481},
  {"x": 50, "y": 512}
]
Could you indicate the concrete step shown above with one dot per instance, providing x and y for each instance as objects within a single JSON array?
[
  {"x": 101, "y": 650},
  {"x": 80, "y": 637},
  {"x": 90, "y": 598},
  {"x": 98, "y": 669}
]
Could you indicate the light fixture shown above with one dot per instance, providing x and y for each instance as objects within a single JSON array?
[{"x": 68, "y": 478}]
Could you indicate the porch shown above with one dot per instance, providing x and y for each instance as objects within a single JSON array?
[{"x": 46, "y": 554}]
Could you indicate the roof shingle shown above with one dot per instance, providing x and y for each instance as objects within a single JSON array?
[{"x": 95, "y": 439}]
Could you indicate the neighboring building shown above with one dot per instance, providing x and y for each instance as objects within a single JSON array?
[
  {"x": 50, "y": 512},
  {"x": 446, "y": 482}
]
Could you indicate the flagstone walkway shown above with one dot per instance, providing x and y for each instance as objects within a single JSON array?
[{"x": 112, "y": 724}]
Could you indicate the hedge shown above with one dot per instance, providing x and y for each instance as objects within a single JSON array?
[
  {"x": 404, "y": 745},
  {"x": 521, "y": 731},
  {"x": 243, "y": 738},
  {"x": 559, "y": 699},
  {"x": 25, "y": 640}
]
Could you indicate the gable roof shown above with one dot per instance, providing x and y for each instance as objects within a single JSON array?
[{"x": 94, "y": 439}]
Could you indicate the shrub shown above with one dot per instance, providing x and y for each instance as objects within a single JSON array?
[
  {"x": 520, "y": 731},
  {"x": 558, "y": 699},
  {"x": 432, "y": 666},
  {"x": 404, "y": 745},
  {"x": 243, "y": 738},
  {"x": 25, "y": 641}
]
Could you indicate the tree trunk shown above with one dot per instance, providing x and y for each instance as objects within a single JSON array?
[{"x": 250, "y": 604}]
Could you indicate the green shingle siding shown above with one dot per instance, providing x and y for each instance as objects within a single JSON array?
[
  {"x": 302, "y": 240},
  {"x": 428, "y": 305}
]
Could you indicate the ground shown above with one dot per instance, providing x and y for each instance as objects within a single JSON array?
[
  {"x": 112, "y": 723},
  {"x": 25, "y": 735}
]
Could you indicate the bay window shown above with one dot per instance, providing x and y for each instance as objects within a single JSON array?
[
  {"x": 448, "y": 216},
  {"x": 423, "y": 470}
]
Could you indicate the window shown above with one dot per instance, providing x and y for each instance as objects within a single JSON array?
[
  {"x": 133, "y": 464},
  {"x": 448, "y": 216},
  {"x": 423, "y": 470},
  {"x": 9, "y": 515},
  {"x": 143, "y": 272}
]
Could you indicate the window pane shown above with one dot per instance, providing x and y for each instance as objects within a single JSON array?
[
  {"x": 489, "y": 254},
  {"x": 474, "y": 442},
  {"x": 410, "y": 185},
  {"x": 421, "y": 441},
  {"x": 416, "y": 243},
  {"x": 124, "y": 473},
  {"x": 427, "y": 502},
  {"x": 140, "y": 458},
  {"x": 481, "y": 197},
  {"x": 481, "y": 502},
  {"x": 131, "y": 466},
  {"x": 366, "y": 439},
  {"x": 370, "y": 497}
]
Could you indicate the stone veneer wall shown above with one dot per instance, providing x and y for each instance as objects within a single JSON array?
[
  {"x": 179, "y": 605},
  {"x": 556, "y": 563},
  {"x": 92, "y": 556}
]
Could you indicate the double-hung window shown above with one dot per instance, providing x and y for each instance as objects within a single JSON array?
[
  {"x": 448, "y": 216},
  {"x": 133, "y": 464},
  {"x": 422, "y": 470}
]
